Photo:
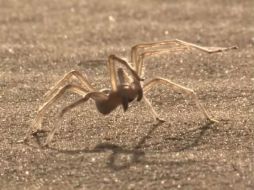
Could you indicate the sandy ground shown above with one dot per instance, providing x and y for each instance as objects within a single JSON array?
[{"x": 42, "y": 40}]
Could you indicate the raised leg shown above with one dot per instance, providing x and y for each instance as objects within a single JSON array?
[
  {"x": 180, "y": 88},
  {"x": 138, "y": 52},
  {"x": 36, "y": 124}
]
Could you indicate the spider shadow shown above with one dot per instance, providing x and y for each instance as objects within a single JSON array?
[
  {"x": 135, "y": 155},
  {"x": 198, "y": 133}
]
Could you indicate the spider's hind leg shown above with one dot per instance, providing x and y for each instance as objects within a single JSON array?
[{"x": 36, "y": 124}]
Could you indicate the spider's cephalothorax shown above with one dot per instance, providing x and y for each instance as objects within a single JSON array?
[{"x": 128, "y": 87}]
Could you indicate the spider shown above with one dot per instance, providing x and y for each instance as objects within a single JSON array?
[{"x": 126, "y": 85}]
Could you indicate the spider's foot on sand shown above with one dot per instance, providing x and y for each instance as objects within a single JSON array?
[
  {"x": 160, "y": 120},
  {"x": 39, "y": 131},
  {"x": 34, "y": 133}
]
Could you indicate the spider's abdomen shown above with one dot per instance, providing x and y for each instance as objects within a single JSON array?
[{"x": 108, "y": 105}]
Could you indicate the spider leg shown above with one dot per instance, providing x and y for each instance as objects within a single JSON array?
[
  {"x": 97, "y": 96},
  {"x": 175, "y": 46},
  {"x": 36, "y": 124},
  {"x": 177, "y": 87},
  {"x": 72, "y": 74},
  {"x": 153, "y": 112}
]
